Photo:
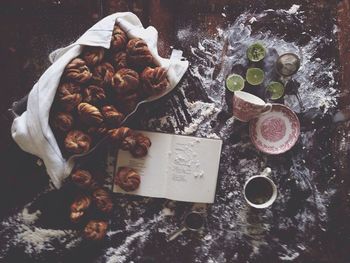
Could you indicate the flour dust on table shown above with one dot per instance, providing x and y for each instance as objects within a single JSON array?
[
  {"x": 230, "y": 222},
  {"x": 292, "y": 226},
  {"x": 23, "y": 231}
]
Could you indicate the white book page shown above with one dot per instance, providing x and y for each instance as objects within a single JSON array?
[
  {"x": 193, "y": 169},
  {"x": 152, "y": 168}
]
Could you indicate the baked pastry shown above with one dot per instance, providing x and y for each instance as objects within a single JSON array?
[
  {"x": 102, "y": 200},
  {"x": 128, "y": 143},
  {"x": 95, "y": 230},
  {"x": 154, "y": 81},
  {"x": 125, "y": 81},
  {"x": 142, "y": 145},
  {"x": 77, "y": 142},
  {"x": 102, "y": 75},
  {"x": 93, "y": 55},
  {"x": 77, "y": 71},
  {"x": 119, "y": 134},
  {"x": 127, "y": 103},
  {"x": 138, "y": 53},
  {"x": 119, "y": 39},
  {"x": 127, "y": 179},
  {"x": 112, "y": 116},
  {"x": 89, "y": 114},
  {"x": 98, "y": 132},
  {"x": 68, "y": 96},
  {"x": 78, "y": 207},
  {"x": 94, "y": 94},
  {"x": 63, "y": 121},
  {"x": 83, "y": 179},
  {"x": 99, "y": 88},
  {"x": 119, "y": 60}
]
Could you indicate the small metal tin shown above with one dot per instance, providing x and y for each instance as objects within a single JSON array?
[{"x": 287, "y": 64}]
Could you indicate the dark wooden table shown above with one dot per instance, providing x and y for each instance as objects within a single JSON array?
[{"x": 309, "y": 221}]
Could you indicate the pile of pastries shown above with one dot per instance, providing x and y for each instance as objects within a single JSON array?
[
  {"x": 96, "y": 91},
  {"x": 100, "y": 87},
  {"x": 93, "y": 204}
]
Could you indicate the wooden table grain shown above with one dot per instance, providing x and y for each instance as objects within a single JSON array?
[{"x": 31, "y": 29}]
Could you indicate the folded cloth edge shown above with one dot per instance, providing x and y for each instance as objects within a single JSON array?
[{"x": 31, "y": 130}]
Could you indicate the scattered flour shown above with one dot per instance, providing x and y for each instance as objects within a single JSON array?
[
  {"x": 21, "y": 230},
  {"x": 232, "y": 223},
  {"x": 168, "y": 212},
  {"x": 289, "y": 255},
  {"x": 36, "y": 240},
  {"x": 294, "y": 9},
  {"x": 30, "y": 218},
  {"x": 252, "y": 20},
  {"x": 119, "y": 255},
  {"x": 203, "y": 111},
  {"x": 232, "y": 226}
]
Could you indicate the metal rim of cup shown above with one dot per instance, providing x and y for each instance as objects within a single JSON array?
[
  {"x": 268, "y": 202},
  {"x": 201, "y": 214},
  {"x": 288, "y": 54}
]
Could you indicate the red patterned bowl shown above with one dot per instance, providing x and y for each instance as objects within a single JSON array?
[{"x": 276, "y": 131}]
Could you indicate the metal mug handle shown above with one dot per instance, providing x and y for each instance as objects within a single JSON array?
[
  {"x": 186, "y": 226},
  {"x": 266, "y": 172}
]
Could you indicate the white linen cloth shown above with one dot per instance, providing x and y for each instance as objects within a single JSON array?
[{"x": 32, "y": 131}]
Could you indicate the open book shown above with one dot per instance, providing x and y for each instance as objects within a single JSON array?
[{"x": 177, "y": 167}]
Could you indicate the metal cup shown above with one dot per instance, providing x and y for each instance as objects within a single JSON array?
[
  {"x": 262, "y": 179},
  {"x": 194, "y": 222},
  {"x": 287, "y": 64}
]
